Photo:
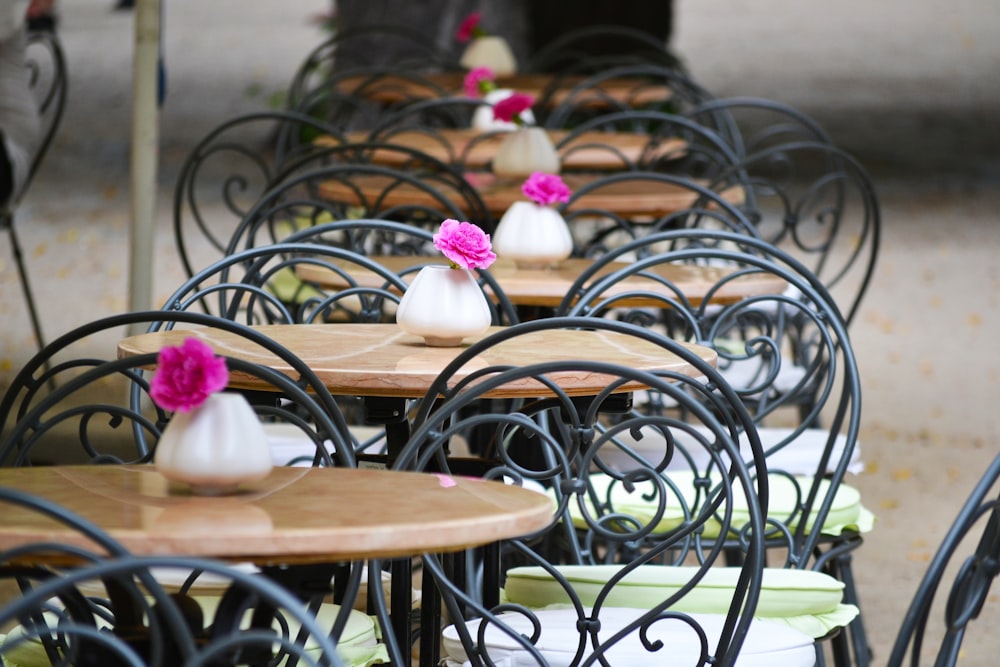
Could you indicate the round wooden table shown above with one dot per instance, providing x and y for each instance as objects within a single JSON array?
[
  {"x": 293, "y": 516},
  {"x": 383, "y": 360}
]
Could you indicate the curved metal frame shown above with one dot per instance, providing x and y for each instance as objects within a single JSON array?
[
  {"x": 704, "y": 155},
  {"x": 251, "y": 170},
  {"x": 172, "y": 631},
  {"x": 240, "y": 286},
  {"x": 803, "y": 327},
  {"x": 51, "y": 105},
  {"x": 561, "y": 431},
  {"x": 23, "y": 408},
  {"x": 786, "y": 123},
  {"x": 582, "y": 98},
  {"x": 323, "y": 57},
  {"x": 816, "y": 202},
  {"x": 970, "y": 587},
  {"x": 295, "y": 195},
  {"x": 386, "y": 237},
  {"x": 709, "y": 209}
]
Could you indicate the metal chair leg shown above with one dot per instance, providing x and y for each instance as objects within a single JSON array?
[{"x": 25, "y": 285}]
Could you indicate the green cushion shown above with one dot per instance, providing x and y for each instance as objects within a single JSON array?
[
  {"x": 806, "y": 600},
  {"x": 846, "y": 513}
]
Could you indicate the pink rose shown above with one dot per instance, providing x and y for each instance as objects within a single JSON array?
[
  {"x": 509, "y": 108},
  {"x": 469, "y": 28},
  {"x": 545, "y": 189},
  {"x": 478, "y": 81},
  {"x": 186, "y": 374},
  {"x": 465, "y": 245}
]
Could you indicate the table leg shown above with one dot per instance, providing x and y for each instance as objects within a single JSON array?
[{"x": 390, "y": 412}]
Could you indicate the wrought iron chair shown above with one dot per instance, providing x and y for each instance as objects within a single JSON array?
[
  {"x": 226, "y": 173},
  {"x": 681, "y": 202},
  {"x": 563, "y": 445},
  {"x": 343, "y": 183},
  {"x": 970, "y": 587},
  {"x": 752, "y": 124},
  {"x": 818, "y": 204},
  {"x": 354, "y": 99},
  {"x": 46, "y": 62},
  {"x": 787, "y": 354},
  {"x": 381, "y": 238},
  {"x": 676, "y": 144},
  {"x": 102, "y": 406},
  {"x": 647, "y": 86},
  {"x": 112, "y": 608},
  {"x": 365, "y": 47}
]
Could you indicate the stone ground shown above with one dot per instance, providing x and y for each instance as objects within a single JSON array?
[{"x": 911, "y": 89}]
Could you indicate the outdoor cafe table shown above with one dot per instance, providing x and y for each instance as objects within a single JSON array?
[
  {"x": 548, "y": 89},
  {"x": 386, "y": 366},
  {"x": 474, "y": 148},
  {"x": 631, "y": 198},
  {"x": 546, "y": 287},
  {"x": 366, "y": 514}
]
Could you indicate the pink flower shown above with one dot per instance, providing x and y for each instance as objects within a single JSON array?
[
  {"x": 545, "y": 189},
  {"x": 186, "y": 374},
  {"x": 479, "y": 81},
  {"x": 465, "y": 245},
  {"x": 469, "y": 28},
  {"x": 509, "y": 108}
]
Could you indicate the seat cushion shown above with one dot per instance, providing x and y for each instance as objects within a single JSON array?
[
  {"x": 766, "y": 645},
  {"x": 846, "y": 513},
  {"x": 809, "y": 602},
  {"x": 358, "y": 645},
  {"x": 799, "y": 457}
]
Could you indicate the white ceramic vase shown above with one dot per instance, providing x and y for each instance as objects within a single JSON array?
[
  {"x": 532, "y": 235},
  {"x": 482, "y": 117},
  {"x": 214, "y": 447},
  {"x": 524, "y": 152},
  {"x": 489, "y": 51},
  {"x": 443, "y": 306}
]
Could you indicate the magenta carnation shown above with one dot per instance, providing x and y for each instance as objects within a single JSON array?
[
  {"x": 545, "y": 189},
  {"x": 478, "y": 81},
  {"x": 186, "y": 374},
  {"x": 509, "y": 108},
  {"x": 469, "y": 28},
  {"x": 464, "y": 244}
]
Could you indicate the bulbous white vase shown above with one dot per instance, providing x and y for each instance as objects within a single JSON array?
[
  {"x": 524, "y": 152},
  {"x": 532, "y": 235},
  {"x": 443, "y": 306},
  {"x": 214, "y": 447},
  {"x": 489, "y": 51},
  {"x": 482, "y": 117}
]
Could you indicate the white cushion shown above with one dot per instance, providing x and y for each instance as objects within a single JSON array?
[
  {"x": 766, "y": 645},
  {"x": 799, "y": 457}
]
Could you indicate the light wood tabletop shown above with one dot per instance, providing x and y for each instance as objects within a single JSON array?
[
  {"x": 383, "y": 360},
  {"x": 633, "y": 198},
  {"x": 546, "y": 287},
  {"x": 474, "y": 149},
  {"x": 293, "y": 516},
  {"x": 548, "y": 89}
]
